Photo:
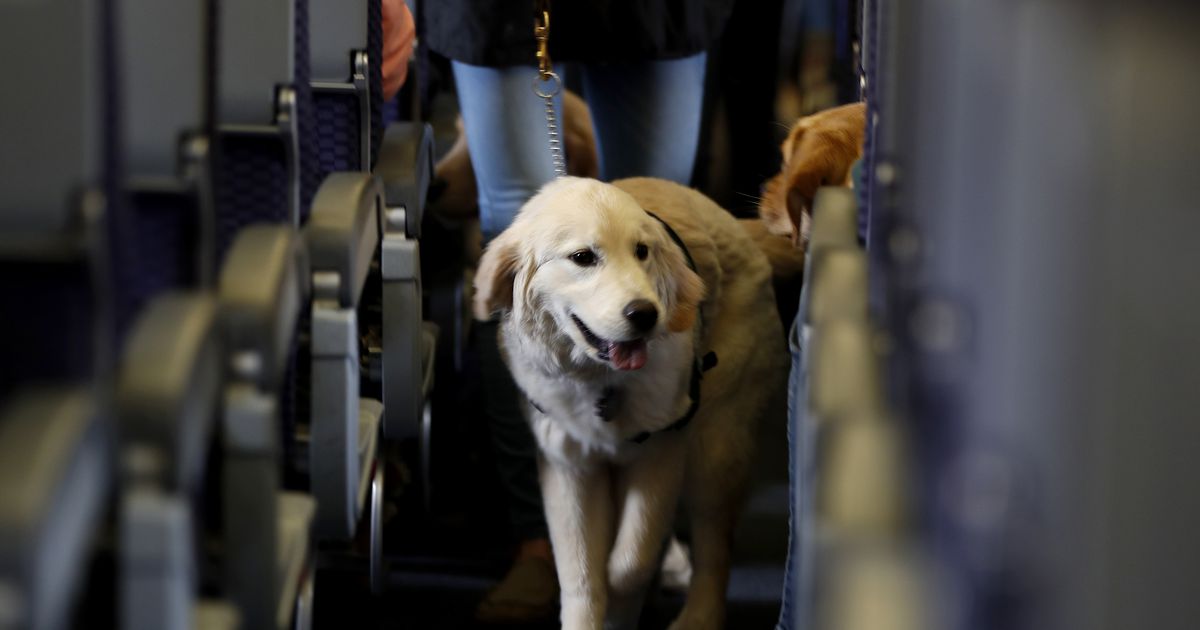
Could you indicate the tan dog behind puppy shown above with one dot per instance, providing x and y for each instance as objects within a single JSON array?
[
  {"x": 819, "y": 151},
  {"x": 606, "y": 320}
]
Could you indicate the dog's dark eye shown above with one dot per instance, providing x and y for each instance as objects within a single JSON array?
[
  {"x": 584, "y": 258},
  {"x": 642, "y": 251}
]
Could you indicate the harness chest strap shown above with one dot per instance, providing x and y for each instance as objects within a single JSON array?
[{"x": 699, "y": 366}]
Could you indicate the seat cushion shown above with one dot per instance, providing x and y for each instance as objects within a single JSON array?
[
  {"x": 296, "y": 511},
  {"x": 370, "y": 414}
]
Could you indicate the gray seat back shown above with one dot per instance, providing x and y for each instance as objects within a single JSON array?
[
  {"x": 167, "y": 57},
  {"x": 59, "y": 209},
  {"x": 1048, "y": 318},
  {"x": 255, "y": 55},
  {"x": 165, "y": 62},
  {"x": 343, "y": 72},
  {"x": 338, "y": 27},
  {"x": 53, "y": 115},
  {"x": 264, "y": 115}
]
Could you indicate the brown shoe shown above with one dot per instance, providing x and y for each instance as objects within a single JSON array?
[{"x": 529, "y": 593}]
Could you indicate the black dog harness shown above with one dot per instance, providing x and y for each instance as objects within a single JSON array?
[{"x": 699, "y": 366}]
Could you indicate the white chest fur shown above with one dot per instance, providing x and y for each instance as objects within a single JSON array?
[{"x": 581, "y": 414}]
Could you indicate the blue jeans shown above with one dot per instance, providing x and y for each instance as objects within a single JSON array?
[
  {"x": 795, "y": 610},
  {"x": 646, "y": 118},
  {"x": 647, "y": 122}
]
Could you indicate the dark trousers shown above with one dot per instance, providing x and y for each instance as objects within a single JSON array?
[{"x": 515, "y": 448}]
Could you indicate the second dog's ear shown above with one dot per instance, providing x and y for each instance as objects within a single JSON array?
[
  {"x": 495, "y": 277},
  {"x": 798, "y": 206}
]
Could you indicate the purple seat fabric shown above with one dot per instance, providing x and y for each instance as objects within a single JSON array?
[
  {"x": 338, "y": 135},
  {"x": 252, "y": 180},
  {"x": 53, "y": 326},
  {"x": 337, "y": 119},
  {"x": 252, "y": 185},
  {"x": 375, "y": 54},
  {"x": 164, "y": 234},
  {"x": 48, "y": 322},
  {"x": 310, "y": 177}
]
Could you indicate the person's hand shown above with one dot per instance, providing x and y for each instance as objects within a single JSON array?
[{"x": 399, "y": 33}]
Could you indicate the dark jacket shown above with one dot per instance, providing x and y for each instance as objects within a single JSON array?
[{"x": 500, "y": 32}]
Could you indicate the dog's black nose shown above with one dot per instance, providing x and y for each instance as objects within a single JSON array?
[{"x": 642, "y": 314}]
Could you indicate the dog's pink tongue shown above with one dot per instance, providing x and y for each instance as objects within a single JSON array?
[{"x": 628, "y": 355}]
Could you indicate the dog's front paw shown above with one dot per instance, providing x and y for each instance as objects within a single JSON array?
[{"x": 581, "y": 616}]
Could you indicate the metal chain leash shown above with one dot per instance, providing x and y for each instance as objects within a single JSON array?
[{"x": 547, "y": 84}]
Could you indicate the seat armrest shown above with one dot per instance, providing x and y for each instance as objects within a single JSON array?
[
  {"x": 839, "y": 286},
  {"x": 55, "y": 463},
  {"x": 263, "y": 284},
  {"x": 405, "y": 167},
  {"x": 168, "y": 387},
  {"x": 343, "y": 232},
  {"x": 834, "y": 217},
  {"x": 844, "y": 371},
  {"x": 296, "y": 511},
  {"x": 343, "y": 236}
]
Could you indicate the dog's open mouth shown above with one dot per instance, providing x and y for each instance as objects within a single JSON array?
[{"x": 624, "y": 355}]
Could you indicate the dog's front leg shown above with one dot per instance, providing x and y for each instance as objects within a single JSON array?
[
  {"x": 578, "y": 505},
  {"x": 714, "y": 484},
  {"x": 647, "y": 492}
]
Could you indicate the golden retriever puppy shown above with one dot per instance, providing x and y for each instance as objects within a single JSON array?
[
  {"x": 819, "y": 151},
  {"x": 616, "y": 300}
]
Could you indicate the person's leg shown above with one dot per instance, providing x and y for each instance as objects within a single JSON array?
[
  {"x": 506, "y": 132},
  {"x": 647, "y": 116},
  {"x": 796, "y": 606},
  {"x": 529, "y": 591}
]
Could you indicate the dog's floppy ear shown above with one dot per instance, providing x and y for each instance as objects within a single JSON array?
[
  {"x": 820, "y": 150},
  {"x": 689, "y": 291},
  {"x": 495, "y": 277},
  {"x": 801, "y": 191},
  {"x": 783, "y": 201}
]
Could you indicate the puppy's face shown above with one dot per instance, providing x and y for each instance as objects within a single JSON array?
[
  {"x": 819, "y": 151},
  {"x": 586, "y": 256}
]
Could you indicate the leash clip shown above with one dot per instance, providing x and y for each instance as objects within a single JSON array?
[
  {"x": 541, "y": 33},
  {"x": 547, "y": 84}
]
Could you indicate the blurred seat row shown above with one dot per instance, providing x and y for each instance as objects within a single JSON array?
[
  {"x": 993, "y": 402},
  {"x": 857, "y": 556},
  {"x": 854, "y": 538},
  {"x": 209, "y": 255}
]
